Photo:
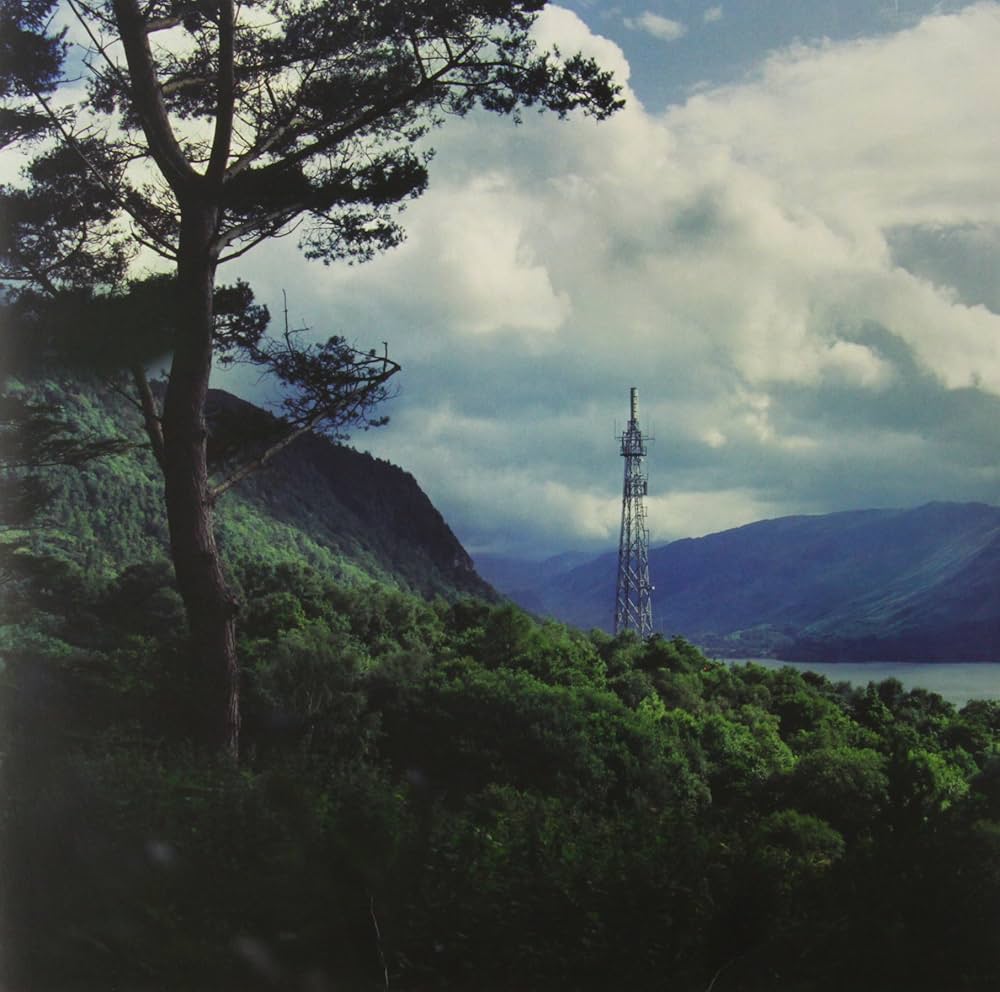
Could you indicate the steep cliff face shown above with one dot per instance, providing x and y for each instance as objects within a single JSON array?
[{"x": 362, "y": 507}]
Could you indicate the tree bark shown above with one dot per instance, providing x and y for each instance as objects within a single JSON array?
[
  {"x": 150, "y": 412},
  {"x": 210, "y": 604}
]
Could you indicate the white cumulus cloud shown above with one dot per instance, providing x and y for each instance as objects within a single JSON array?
[
  {"x": 733, "y": 258},
  {"x": 656, "y": 25}
]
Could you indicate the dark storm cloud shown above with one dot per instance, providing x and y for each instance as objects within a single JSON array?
[{"x": 965, "y": 257}]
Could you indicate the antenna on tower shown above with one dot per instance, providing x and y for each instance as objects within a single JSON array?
[{"x": 633, "y": 598}]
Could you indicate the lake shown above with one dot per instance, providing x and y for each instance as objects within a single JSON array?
[{"x": 958, "y": 682}]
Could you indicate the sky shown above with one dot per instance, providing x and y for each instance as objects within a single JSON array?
[{"x": 788, "y": 241}]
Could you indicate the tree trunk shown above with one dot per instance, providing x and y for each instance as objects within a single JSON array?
[{"x": 210, "y": 605}]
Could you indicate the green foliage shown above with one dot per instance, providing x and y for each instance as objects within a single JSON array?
[
  {"x": 349, "y": 516},
  {"x": 848, "y": 787},
  {"x": 456, "y": 792}
]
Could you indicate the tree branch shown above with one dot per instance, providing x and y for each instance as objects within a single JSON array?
[
  {"x": 274, "y": 221},
  {"x": 97, "y": 173},
  {"x": 345, "y": 408},
  {"x": 716, "y": 976},
  {"x": 261, "y": 148},
  {"x": 157, "y": 247},
  {"x": 274, "y": 232},
  {"x": 182, "y": 82},
  {"x": 163, "y": 23},
  {"x": 226, "y": 99},
  {"x": 378, "y": 944},
  {"x": 248, "y": 468},
  {"x": 334, "y": 137},
  {"x": 98, "y": 44},
  {"x": 148, "y": 99},
  {"x": 124, "y": 394},
  {"x": 150, "y": 413}
]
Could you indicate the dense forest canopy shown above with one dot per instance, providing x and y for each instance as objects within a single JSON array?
[{"x": 447, "y": 793}]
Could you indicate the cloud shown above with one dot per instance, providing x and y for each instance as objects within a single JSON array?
[
  {"x": 713, "y": 15},
  {"x": 773, "y": 264},
  {"x": 659, "y": 27}
]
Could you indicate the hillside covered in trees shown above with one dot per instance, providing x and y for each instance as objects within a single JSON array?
[
  {"x": 437, "y": 791},
  {"x": 340, "y": 510}
]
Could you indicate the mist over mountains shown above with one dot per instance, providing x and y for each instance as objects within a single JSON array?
[{"x": 917, "y": 584}]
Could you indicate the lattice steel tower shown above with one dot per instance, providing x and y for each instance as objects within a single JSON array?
[{"x": 633, "y": 600}]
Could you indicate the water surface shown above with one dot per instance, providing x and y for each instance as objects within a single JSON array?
[{"x": 958, "y": 682}]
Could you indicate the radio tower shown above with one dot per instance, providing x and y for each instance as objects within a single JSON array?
[{"x": 633, "y": 600}]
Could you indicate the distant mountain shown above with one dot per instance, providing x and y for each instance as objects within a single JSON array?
[
  {"x": 920, "y": 584},
  {"x": 520, "y": 578}
]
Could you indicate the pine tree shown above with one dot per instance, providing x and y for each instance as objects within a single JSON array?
[{"x": 210, "y": 127}]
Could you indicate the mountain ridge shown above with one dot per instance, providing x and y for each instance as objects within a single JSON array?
[
  {"x": 876, "y": 584},
  {"x": 349, "y": 497}
]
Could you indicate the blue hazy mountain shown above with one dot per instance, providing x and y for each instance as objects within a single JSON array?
[
  {"x": 917, "y": 584},
  {"x": 522, "y": 579}
]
